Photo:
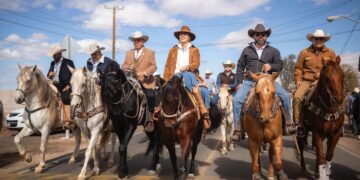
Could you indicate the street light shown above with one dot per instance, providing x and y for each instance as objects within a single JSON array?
[{"x": 332, "y": 18}]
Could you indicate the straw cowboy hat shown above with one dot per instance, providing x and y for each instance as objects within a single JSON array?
[
  {"x": 185, "y": 29},
  {"x": 229, "y": 62},
  {"x": 208, "y": 72},
  {"x": 138, "y": 35},
  {"x": 259, "y": 28},
  {"x": 357, "y": 90},
  {"x": 95, "y": 47},
  {"x": 156, "y": 73},
  {"x": 319, "y": 33},
  {"x": 55, "y": 50}
]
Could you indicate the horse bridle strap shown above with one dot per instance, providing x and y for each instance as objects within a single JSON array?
[
  {"x": 89, "y": 114},
  {"x": 22, "y": 91},
  {"x": 33, "y": 111},
  {"x": 323, "y": 114}
]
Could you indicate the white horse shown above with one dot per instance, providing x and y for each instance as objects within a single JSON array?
[
  {"x": 89, "y": 115},
  {"x": 42, "y": 111},
  {"x": 227, "y": 126}
]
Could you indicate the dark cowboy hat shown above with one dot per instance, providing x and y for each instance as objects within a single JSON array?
[
  {"x": 185, "y": 29},
  {"x": 259, "y": 28}
]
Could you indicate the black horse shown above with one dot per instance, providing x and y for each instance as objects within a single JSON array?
[
  {"x": 1, "y": 115},
  {"x": 179, "y": 121},
  {"x": 123, "y": 105}
]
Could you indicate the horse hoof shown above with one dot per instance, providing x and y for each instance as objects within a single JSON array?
[
  {"x": 328, "y": 168},
  {"x": 38, "y": 169},
  {"x": 95, "y": 171},
  {"x": 223, "y": 153},
  {"x": 81, "y": 178},
  {"x": 231, "y": 148},
  {"x": 271, "y": 178},
  {"x": 111, "y": 163},
  {"x": 256, "y": 176},
  {"x": 151, "y": 172},
  {"x": 124, "y": 178},
  {"x": 158, "y": 167},
  {"x": 27, "y": 157},
  {"x": 72, "y": 160},
  {"x": 191, "y": 176},
  {"x": 282, "y": 175}
]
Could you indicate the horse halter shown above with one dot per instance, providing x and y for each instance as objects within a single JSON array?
[
  {"x": 174, "y": 115},
  {"x": 332, "y": 98},
  {"x": 22, "y": 91}
]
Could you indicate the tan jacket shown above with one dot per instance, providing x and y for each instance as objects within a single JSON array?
[
  {"x": 146, "y": 63},
  {"x": 172, "y": 58},
  {"x": 309, "y": 63}
]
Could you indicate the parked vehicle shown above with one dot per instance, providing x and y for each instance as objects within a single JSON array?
[{"x": 14, "y": 120}]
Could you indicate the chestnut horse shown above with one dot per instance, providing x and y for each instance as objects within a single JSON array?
[
  {"x": 323, "y": 116},
  {"x": 262, "y": 121},
  {"x": 180, "y": 121}
]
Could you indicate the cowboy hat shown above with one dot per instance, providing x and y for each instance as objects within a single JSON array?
[
  {"x": 185, "y": 29},
  {"x": 259, "y": 28},
  {"x": 229, "y": 62},
  {"x": 319, "y": 33},
  {"x": 156, "y": 73},
  {"x": 95, "y": 47},
  {"x": 208, "y": 72},
  {"x": 138, "y": 35},
  {"x": 55, "y": 50}
]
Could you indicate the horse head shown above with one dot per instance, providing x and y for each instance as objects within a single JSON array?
[
  {"x": 171, "y": 94},
  {"x": 26, "y": 82},
  {"x": 80, "y": 81},
  {"x": 332, "y": 79},
  {"x": 265, "y": 94},
  {"x": 225, "y": 98}
]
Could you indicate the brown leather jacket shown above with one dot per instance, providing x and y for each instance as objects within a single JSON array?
[
  {"x": 309, "y": 63},
  {"x": 172, "y": 58}
]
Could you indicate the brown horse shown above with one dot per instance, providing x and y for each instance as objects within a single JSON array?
[
  {"x": 262, "y": 121},
  {"x": 323, "y": 116},
  {"x": 180, "y": 121}
]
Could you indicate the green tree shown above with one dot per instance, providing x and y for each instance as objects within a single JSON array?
[
  {"x": 350, "y": 77},
  {"x": 287, "y": 74}
]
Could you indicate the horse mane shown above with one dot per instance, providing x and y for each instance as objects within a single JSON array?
[{"x": 174, "y": 83}]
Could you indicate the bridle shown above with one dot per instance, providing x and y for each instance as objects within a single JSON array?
[
  {"x": 228, "y": 101},
  {"x": 22, "y": 91}
]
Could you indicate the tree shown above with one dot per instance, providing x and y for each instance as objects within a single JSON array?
[
  {"x": 287, "y": 74},
  {"x": 350, "y": 77}
]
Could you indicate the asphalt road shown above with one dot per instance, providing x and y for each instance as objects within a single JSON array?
[{"x": 210, "y": 164}]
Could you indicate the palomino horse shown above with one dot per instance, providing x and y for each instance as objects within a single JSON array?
[
  {"x": 180, "y": 121},
  {"x": 227, "y": 123},
  {"x": 41, "y": 110},
  {"x": 126, "y": 108},
  {"x": 323, "y": 116},
  {"x": 89, "y": 115},
  {"x": 262, "y": 121}
]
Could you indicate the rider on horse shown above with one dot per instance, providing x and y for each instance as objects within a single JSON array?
[
  {"x": 142, "y": 61},
  {"x": 258, "y": 57},
  {"x": 226, "y": 78},
  {"x": 184, "y": 58},
  {"x": 307, "y": 71},
  {"x": 97, "y": 62}
]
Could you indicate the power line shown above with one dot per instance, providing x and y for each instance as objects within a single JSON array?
[{"x": 348, "y": 39}]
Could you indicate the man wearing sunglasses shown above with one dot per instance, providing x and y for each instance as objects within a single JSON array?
[
  {"x": 258, "y": 57},
  {"x": 307, "y": 70},
  {"x": 97, "y": 62}
]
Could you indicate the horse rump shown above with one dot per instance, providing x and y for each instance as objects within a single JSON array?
[{"x": 215, "y": 116}]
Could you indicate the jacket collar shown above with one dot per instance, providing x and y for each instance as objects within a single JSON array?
[
  {"x": 311, "y": 49},
  {"x": 101, "y": 60},
  {"x": 252, "y": 44}
]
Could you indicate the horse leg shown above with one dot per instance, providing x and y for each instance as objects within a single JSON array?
[
  {"x": 94, "y": 154},
  {"x": 320, "y": 161},
  {"x": 331, "y": 143},
  {"x": 111, "y": 161},
  {"x": 171, "y": 149},
  {"x": 301, "y": 143},
  {"x": 232, "y": 128},
  {"x": 277, "y": 146},
  {"x": 185, "y": 151},
  {"x": 88, "y": 152},
  {"x": 196, "y": 141},
  {"x": 23, "y": 133},
  {"x": 77, "y": 134},
  {"x": 254, "y": 147},
  {"x": 44, "y": 141},
  {"x": 223, "y": 139},
  {"x": 157, "y": 147},
  {"x": 123, "y": 170},
  {"x": 271, "y": 162}
]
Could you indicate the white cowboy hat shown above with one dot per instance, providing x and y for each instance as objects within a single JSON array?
[
  {"x": 357, "y": 90},
  {"x": 138, "y": 35},
  {"x": 55, "y": 50},
  {"x": 156, "y": 73},
  {"x": 229, "y": 62},
  {"x": 95, "y": 47},
  {"x": 208, "y": 72},
  {"x": 319, "y": 33}
]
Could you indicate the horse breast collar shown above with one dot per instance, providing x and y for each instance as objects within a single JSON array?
[
  {"x": 89, "y": 114},
  {"x": 312, "y": 107},
  {"x": 33, "y": 111}
]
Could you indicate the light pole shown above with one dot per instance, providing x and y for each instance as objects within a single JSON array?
[{"x": 332, "y": 18}]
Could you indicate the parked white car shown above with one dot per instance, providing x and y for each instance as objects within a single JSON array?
[{"x": 14, "y": 120}]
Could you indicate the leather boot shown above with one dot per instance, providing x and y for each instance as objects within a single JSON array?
[
  {"x": 300, "y": 131},
  {"x": 203, "y": 110},
  {"x": 66, "y": 116}
]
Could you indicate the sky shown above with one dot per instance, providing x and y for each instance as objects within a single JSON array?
[{"x": 29, "y": 28}]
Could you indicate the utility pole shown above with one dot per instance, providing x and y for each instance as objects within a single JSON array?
[{"x": 114, "y": 8}]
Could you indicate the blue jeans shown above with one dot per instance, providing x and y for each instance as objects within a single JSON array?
[
  {"x": 190, "y": 81},
  {"x": 242, "y": 92}
]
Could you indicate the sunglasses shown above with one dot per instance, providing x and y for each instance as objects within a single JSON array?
[
  {"x": 260, "y": 34},
  {"x": 227, "y": 65},
  {"x": 319, "y": 39}
]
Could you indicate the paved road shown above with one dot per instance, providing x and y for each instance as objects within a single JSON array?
[{"x": 210, "y": 164}]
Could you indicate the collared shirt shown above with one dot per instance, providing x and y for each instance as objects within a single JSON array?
[
  {"x": 57, "y": 66},
  {"x": 183, "y": 57},
  {"x": 138, "y": 53},
  {"x": 260, "y": 50},
  {"x": 210, "y": 83},
  {"x": 95, "y": 65}
]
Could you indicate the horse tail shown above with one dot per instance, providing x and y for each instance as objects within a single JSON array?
[
  {"x": 106, "y": 132},
  {"x": 215, "y": 116}
]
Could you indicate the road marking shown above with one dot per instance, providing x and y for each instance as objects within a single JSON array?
[
  {"x": 348, "y": 151},
  {"x": 210, "y": 158}
]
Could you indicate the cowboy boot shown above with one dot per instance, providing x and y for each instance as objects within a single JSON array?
[
  {"x": 66, "y": 117},
  {"x": 239, "y": 133},
  {"x": 203, "y": 110},
  {"x": 300, "y": 131}
]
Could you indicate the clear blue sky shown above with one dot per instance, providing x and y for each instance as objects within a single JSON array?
[{"x": 29, "y": 28}]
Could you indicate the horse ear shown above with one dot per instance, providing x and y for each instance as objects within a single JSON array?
[
  {"x": 20, "y": 67},
  {"x": 274, "y": 75},
  {"x": 338, "y": 59},
  {"x": 254, "y": 76},
  {"x": 84, "y": 69},
  {"x": 34, "y": 68},
  {"x": 72, "y": 70}
]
